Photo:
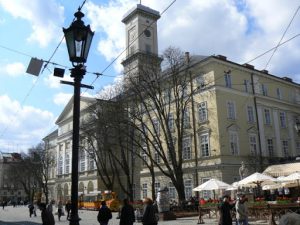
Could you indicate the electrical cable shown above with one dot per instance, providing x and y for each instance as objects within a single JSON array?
[{"x": 282, "y": 37}]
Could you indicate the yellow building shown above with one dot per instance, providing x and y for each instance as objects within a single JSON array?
[{"x": 237, "y": 113}]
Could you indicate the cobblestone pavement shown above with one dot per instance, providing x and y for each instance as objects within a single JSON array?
[{"x": 20, "y": 216}]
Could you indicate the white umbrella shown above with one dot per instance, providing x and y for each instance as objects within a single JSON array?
[
  {"x": 271, "y": 186},
  {"x": 212, "y": 184},
  {"x": 292, "y": 178},
  {"x": 234, "y": 186},
  {"x": 257, "y": 179}
]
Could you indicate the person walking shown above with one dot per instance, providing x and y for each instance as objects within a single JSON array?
[
  {"x": 47, "y": 216},
  {"x": 68, "y": 208},
  {"x": 149, "y": 213},
  {"x": 49, "y": 207},
  {"x": 31, "y": 208},
  {"x": 241, "y": 211},
  {"x": 59, "y": 210},
  {"x": 225, "y": 211},
  {"x": 104, "y": 214},
  {"x": 127, "y": 214}
]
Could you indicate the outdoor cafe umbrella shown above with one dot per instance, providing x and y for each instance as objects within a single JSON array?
[
  {"x": 257, "y": 179},
  {"x": 292, "y": 178},
  {"x": 212, "y": 185}
]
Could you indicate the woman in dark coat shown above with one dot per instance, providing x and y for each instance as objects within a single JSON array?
[
  {"x": 127, "y": 214},
  {"x": 225, "y": 212},
  {"x": 149, "y": 214}
]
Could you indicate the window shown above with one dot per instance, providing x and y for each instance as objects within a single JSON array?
[
  {"x": 267, "y": 117},
  {"x": 172, "y": 191},
  {"x": 233, "y": 142},
  {"x": 227, "y": 78},
  {"x": 188, "y": 188},
  {"x": 250, "y": 114},
  {"x": 253, "y": 145},
  {"x": 206, "y": 194},
  {"x": 247, "y": 86},
  {"x": 282, "y": 118},
  {"x": 186, "y": 118},
  {"x": 60, "y": 165},
  {"x": 82, "y": 161},
  {"x": 231, "y": 110},
  {"x": 148, "y": 48},
  {"x": 202, "y": 109},
  {"x": 204, "y": 145},
  {"x": 200, "y": 82},
  {"x": 171, "y": 122},
  {"x": 156, "y": 157},
  {"x": 156, "y": 187},
  {"x": 270, "y": 147},
  {"x": 91, "y": 163},
  {"x": 278, "y": 93},
  {"x": 132, "y": 49},
  {"x": 186, "y": 151},
  {"x": 67, "y": 163},
  {"x": 144, "y": 157},
  {"x": 144, "y": 190},
  {"x": 156, "y": 126},
  {"x": 285, "y": 148},
  {"x": 264, "y": 90}
]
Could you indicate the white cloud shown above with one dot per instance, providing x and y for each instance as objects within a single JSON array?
[
  {"x": 62, "y": 98},
  {"x": 22, "y": 125},
  {"x": 241, "y": 30},
  {"x": 45, "y": 18},
  {"x": 14, "y": 69}
]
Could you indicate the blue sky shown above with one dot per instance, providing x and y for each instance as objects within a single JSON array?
[{"x": 29, "y": 105}]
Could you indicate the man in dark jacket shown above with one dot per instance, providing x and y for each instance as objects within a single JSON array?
[
  {"x": 225, "y": 212},
  {"x": 150, "y": 213},
  {"x": 127, "y": 214},
  {"x": 104, "y": 214},
  {"x": 47, "y": 216}
]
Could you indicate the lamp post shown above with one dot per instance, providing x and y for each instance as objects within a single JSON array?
[{"x": 78, "y": 39}]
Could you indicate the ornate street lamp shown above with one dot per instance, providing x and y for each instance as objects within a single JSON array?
[{"x": 78, "y": 38}]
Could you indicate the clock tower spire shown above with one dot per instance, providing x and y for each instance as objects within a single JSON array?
[{"x": 141, "y": 41}]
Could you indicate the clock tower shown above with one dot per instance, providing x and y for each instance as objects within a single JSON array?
[{"x": 141, "y": 41}]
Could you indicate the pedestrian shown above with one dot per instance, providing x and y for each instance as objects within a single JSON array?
[
  {"x": 34, "y": 209},
  {"x": 68, "y": 208},
  {"x": 59, "y": 210},
  {"x": 127, "y": 214},
  {"x": 150, "y": 213},
  {"x": 31, "y": 207},
  {"x": 49, "y": 207},
  {"x": 47, "y": 216},
  {"x": 3, "y": 204},
  {"x": 104, "y": 214},
  {"x": 225, "y": 211},
  {"x": 241, "y": 211}
]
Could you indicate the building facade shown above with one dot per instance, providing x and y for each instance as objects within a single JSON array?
[{"x": 236, "y": 114}]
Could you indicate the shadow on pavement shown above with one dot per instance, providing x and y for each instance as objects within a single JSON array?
[{"x": 18, "y": 223}]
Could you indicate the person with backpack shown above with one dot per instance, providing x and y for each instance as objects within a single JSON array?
[
  {"x": 150, "y": 213},
  {"x": 104, "y": 214},
  {"x": 127, "y": 214}
]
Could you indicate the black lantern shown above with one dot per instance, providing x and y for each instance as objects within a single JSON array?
[{"x": 78, "y": 38}]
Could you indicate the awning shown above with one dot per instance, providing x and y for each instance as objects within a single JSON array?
[{"x": 282, "y": 169}]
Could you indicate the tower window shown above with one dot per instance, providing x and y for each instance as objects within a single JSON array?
[{"x": 148, "y": 48}]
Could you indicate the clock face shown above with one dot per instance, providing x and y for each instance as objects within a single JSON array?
[{"x": 147, "y": 33}]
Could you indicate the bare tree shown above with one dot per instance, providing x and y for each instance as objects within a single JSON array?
[{"x": 161, "y": 114}]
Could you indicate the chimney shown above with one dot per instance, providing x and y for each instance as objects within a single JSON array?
[
  {"x": 249, "y": 66},
  {"x": 187, "y": 57},
  {"x": 222, "y": 57},
  {"x": 265, "y": 71}
]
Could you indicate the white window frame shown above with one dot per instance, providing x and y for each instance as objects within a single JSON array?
[
  {"x": 250, "y": 114},
  {"x": 200, "y": 83},
  {"x": 156, "y": 187},
  {"x": 231, "y": 112},
  {"x": 282, "y": 119},
  {"x": 144, "y": 190},
  {"x": 156, "y": 157},
  {"x": 253, "y": 144},
  {"x": 202, "y": 112},
  {"x": 267, "y": 115},
  {"x": 60, "y": 165},
  {"x": 270, "y": 147},
  {"x": 285, "y": 148},
  {"x": 247, "y": 86},
  {"x": 264, "y": 90},
  {"x": 82, "y": 161},
  {"x": 279, "y": 93},
  {"x": 227, "y": 78},
  {"x": 186, "y": 149},
  {"x": 234, "y": 143},
  {"x": 67, "y": 163},
  {"x": 204, "y": 145},
  {"x": 188, "y": 188},
  {"x": 186, "y": 118},
  {"x": 172, "y": 191}
]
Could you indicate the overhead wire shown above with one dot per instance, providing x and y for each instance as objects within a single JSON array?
[{"x": 282, "y": 37}]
